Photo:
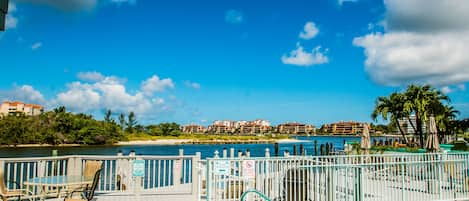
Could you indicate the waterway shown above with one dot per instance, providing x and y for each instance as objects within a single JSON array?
[{"x": 206, "y": 150}]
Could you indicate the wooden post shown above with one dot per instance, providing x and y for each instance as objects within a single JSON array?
[
  {"x": 276, "y": 149},
  {"x": 267, "y": 152},
  {"x": 232, "y": 152},
  {"x": 225, "y": 153}
]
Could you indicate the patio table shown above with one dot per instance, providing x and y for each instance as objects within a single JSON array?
[{"x": 44, "y": 184}]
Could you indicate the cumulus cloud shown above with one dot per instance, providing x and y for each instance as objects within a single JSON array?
[
  {"x": 309, "y": 31},
  {"x": 109, "y": 93},
  {"x": 417, "y": 47},
  {"x": 300, "y": 57},
  {"x": 36, "y": 46},
  {"x": 193, "y": 85},
  {"x": 66, "y": 5},
  {"x": 25, "y": 93},
  {"x": 155, "y": 84},
  {"x": 90, "y": 76},
  {"x": 234, "y": 17}
]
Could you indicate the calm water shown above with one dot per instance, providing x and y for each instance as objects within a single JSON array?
[{"x": 206, "y": 150}]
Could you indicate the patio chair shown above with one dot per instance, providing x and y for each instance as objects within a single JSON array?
[
  {"x": 6, "y": 194},
  {"x": 86, "y": 193},
  {"x": 91, "y": 167}
]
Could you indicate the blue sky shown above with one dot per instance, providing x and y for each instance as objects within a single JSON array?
[{"x": 198, "y": 61}]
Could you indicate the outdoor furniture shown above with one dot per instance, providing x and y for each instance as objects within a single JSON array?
[
  {"x": 86, "y": 193},
  {"x": 58, "y": 183},
  {"x": 6, "y": 194},
  {"x": 91, "y": 167}
]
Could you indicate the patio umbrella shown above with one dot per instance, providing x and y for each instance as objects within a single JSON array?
[
  {"x": 365, "y": 143},
  {"x": 432, "y": 143}
]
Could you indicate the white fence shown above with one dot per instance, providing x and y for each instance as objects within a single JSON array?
[
  {"x": 372, "y": 177},
  {"x": 162, "y": 174}
]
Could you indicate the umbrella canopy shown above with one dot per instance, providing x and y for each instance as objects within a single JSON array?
[
  {"x": 365, "y": 138},
  {"x": 432, "y": 143}
]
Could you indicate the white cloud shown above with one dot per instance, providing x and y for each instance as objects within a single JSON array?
[
  {"x": 234, "y": 17},
  {"x": 25, "y": 93},
  {"x": 446, "y": 90},
  {"x": 36, "y": 46},
  {"x": 155, "y": 84},
  {"x": 300, "y": 57},
  {"x": 11, "y": 21},
  {"x": 80, "y": 98},
  {"x": 309, "y": 31},
  {"x": 193, "y": 85},
  {"x": 418, "y": 47},
  {"x": 90, "y": 76},
  {"x": 451, "y": 89},
  {"x": 110, "y": 93},
  {"x": 341, "y": 2}
]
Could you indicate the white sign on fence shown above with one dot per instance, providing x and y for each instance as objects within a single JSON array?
[
  {"x": 222, "y": 167},
  {"x": 138, "y": 168},
  {"x": 249, "y": 169}
]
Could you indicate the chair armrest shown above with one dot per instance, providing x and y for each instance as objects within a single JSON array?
[{"x": 18, "y": 186}]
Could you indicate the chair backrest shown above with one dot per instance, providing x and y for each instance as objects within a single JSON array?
[
  {"x": 90, "y": 194},
  {"x": 3, "y": 187},
  {"x": 91, "y": 167}
]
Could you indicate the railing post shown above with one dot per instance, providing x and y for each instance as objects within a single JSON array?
[
  {"x": 2, "y": 166},
  {"x": 195, "y": 176},
  {"x": 177, "y": 169},
  {"x": 74, "y": 165}
]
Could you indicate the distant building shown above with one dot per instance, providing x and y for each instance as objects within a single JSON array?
[
  {"x": 16, "y": 107},
  {"x": 344, "y": 128},
  {"x": 257, "y": 126},
  {"x": 295, "y": 128},
  {"x": 192, "y": 128},
  {"x": 408, "y": 124}
]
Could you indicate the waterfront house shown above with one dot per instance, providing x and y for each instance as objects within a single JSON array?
[
  {"x": 344, "y": 128},
  {"x": 193, "y": 128},
  {"x": 295, "y": 128},
  {"x": 16, "y": 107}
]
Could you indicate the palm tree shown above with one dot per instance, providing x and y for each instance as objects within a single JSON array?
[
  {"x": 419, "y": 101},
  {"x": 392, "y": 106},
  {"x": 445, "y": 117}
]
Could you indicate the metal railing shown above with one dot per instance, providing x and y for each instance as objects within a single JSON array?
[{"x": 361, "y": 177}]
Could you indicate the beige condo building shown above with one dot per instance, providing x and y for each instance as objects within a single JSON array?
[{"x": 16, "y": 107}]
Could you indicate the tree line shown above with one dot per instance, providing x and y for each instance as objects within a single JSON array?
[
  {"x": 422, "y": 102},
  {"x": 61, "y": 127}
]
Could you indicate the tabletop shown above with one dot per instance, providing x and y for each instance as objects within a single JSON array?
[{"x": 59, "y": 180}]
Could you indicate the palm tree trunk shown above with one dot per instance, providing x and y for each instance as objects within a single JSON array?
[
  {"x": 402, "y": 132},
  {"x": 419, "y": 128}
]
